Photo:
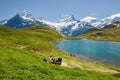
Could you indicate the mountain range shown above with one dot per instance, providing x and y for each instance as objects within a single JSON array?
[{"x": 67, "y": 27}]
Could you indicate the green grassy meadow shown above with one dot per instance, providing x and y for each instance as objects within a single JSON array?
[{"x": 22, "y": 52}]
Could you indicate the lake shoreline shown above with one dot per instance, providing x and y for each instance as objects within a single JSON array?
[{"x": 92, "y": 60}]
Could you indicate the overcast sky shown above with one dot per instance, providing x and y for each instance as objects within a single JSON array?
[{"x": 53, "y": 10}]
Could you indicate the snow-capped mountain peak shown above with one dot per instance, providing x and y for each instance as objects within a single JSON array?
[
  {"x": 23, "y": 19},
  {"x": 68, "y": 19},
  {"x": 88, "y": 19},
  {"x": 109, "y": 20},
  {"x": 114, "y": 16},
  {"x": 26, "y": 15}
]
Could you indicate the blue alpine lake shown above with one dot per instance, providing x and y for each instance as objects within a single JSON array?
[{"x": 103, "y": 51}]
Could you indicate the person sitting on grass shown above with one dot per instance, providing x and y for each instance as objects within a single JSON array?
[
  {"x": 51, "y": 59},
  {"x": 45, "y": 59},
  {"x": 59, "y": 61}
]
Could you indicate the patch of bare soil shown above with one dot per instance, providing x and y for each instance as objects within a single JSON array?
[{"x": 65, "y": 65}]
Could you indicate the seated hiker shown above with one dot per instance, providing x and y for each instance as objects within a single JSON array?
[
  {"x": 54, "y": 60},
  {"x": 51, "y": 59},
  {"x": 59, "y": 61},
  {"x": 45, "y": 59}
]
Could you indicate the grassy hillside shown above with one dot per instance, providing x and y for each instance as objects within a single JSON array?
[
  {"x": 110, "y": 33},
  {"x": 22, "y": 52}
]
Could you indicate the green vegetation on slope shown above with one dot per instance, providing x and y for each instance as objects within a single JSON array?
[
  {"x": 110, "y": 33},
  {"x": 22, "y": 52}
]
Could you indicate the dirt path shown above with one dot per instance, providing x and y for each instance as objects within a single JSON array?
[
  {"x": 94, "y": 68},
  {"x": 65, "y": 65},
  {"x": 76, "y": 65}
]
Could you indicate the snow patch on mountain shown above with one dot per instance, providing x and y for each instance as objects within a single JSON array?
[
  {"x": 114, "y": 16},
  {"x": 26, "y": 15},
  {"x": 3, "y": 22},
  {"x": 69, "y": 18},
  {"x": 89, "y": 19}
]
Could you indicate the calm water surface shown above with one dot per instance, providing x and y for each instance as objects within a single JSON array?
[{"x": 104, "y": 51}]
